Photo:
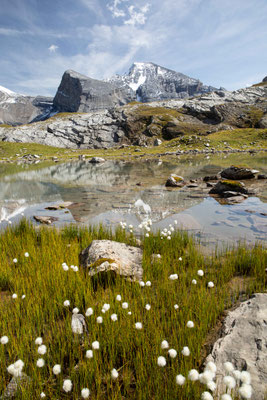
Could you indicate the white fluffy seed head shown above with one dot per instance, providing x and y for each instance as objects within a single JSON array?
[
  {"x": 147, "y": 307},
  {"x": 65, "y": 267},
  {"x": 4, "y": 340},
  {"x": 39, "y": 341},
  {"x": 14, "y": 296},
  {"x": 172, "y": 353},
  {"x": 19, "y": 364},
  {"x": 26, "y": 254},
  {"x": 118, "y": 297},
  {"x": 66, "y": 303},
  {"x": 210, "y": 284},
  {"x": 148, "y": 283},
  {"x": 95, "y": 345},
  {"x": 200, "y": 272},
  {"x": 89, "y": 354},
  {"x": 15, "y": 260},
  {"x": 67, "y": 385},
  {"x": 194, "y": 282},
  {"x": 75, "y": 310},
  {"x": 89, "y": 312},
  {"x": 125, "y": 305},
  {"x": 114, "y": 317},
  {"x": 142, "y": 283},
  {"x": 206, "y": 377},
  {"x": 211, "y": 386},
  {"x": 11, "y": 370},
  {"x": 206, "y": 396},
  {"x": 40, "y": 362},
  {"x": 180, "y": 380},
  {"x": 99, "y": 320},
  {"x": 161, "y": 361},
  {"x": 173, "y": 277},
  {"x": 138, "y": 325},
  {"x": 229, "y": 381},
  {"x": 226, "y": 397},
  {"x": 56, "y": 369},
  {"x": 237, "y": 374},
  {"x": 190, "y": 324},
  {"x": 245, "y": 391},
  {"x": 245, "y": 377},
  {"x": 164, "y": 344},
  {"x": 106, "y": 307},
  {"x": 42, "y": 395},
  {"x": 85, "y": 393},
  {"x": 193, "y": 375},
  {"x": 114, "y": 374},
  {"x": 176, "y": 306},
  {"x": 211, "y": 367},
  {"x": 228, "y": 366},
  {"x": 42, "y": 349},
  {"x": 185, "y": 351}
]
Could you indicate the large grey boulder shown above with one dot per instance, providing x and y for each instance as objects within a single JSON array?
[
  {"x": 79, "y": 93},
  {"x": 236, "y": 173},
  {"x": 108, "y": 255},
  {"x": 244, "y": 343}
]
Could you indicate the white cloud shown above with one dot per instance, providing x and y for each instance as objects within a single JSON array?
[
  {"x": 115, "y": 10},
  {"x": 53, "y": 48},
  {"x": 137, "y": 17}
]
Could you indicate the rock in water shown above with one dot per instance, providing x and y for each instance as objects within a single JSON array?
[
  {"x": 244, "y": 343},
  {"x": 108, "y": 255},
  {"x": 175, "y": 181},
  {"x": 78, "y": 92},
  {"x": 237, "y": 173},
  {"x": 228, "y": 186}
]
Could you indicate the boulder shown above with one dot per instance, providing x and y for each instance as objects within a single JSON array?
[
  {"x": 237, "y": 173},
  {"x": 228, "y": 186},
  {"x": 45, "y": 219},
  {"x": 175, "y": 181},
  {"x": 244, "y": 343},
  {"x": 97, "y": 160},
  {"x": 157, "y": 142},
  {"x": 108, "y": 255},
  {"x": 262, "y": 176},
  {"x": 210, "y": 178},
  {"x": 16, "y": 386}
]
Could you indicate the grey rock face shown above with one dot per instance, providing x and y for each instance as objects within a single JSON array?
[
  {"x": 264, "y": 79},
  {"x": 16, "y": 109},
  {"x": 150, "y": 82},
  {"x": 244, "y": 343},
  {"x": 79, "y": 93},
  {"x": 108, "y": 255}
]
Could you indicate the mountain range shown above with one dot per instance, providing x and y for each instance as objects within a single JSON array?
[{"x": 145, "y": 82}]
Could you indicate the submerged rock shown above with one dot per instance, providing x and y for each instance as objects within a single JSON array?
[
  {"x": 108, "y": 255},
  {"x": 237, "y": 173},
  {"x": 244, "y": 344},
  {"x": 228, "y": 186},
  {"x": 44, "y": 219}
]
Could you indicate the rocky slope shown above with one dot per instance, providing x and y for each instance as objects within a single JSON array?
[
  {"x": 141, "y": 124},
  {"x": 16, "y": 109},
  {"x": 149, "y": 82}
]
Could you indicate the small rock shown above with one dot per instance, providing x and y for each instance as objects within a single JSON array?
[
  {"x": 237, "y": 173},
  {"x": 43, "y": 219},
  {"x": 210, "y": 178},
  {"x": 96, "y": 160},
  {"x": 157, "y": 142},
  {"x": 262, "y": 176},
  {"x": 81, "y": 157},
  {"x": 175, "y": 181}
]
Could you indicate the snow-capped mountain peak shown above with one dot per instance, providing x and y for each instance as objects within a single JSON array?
[{"x": 7, "y": 91}]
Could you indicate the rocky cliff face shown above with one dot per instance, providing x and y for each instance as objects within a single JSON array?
[
  {"x": 141, "y": 124},
  {"x": 149, "y": 82},
  {"x": 16, "y": 109},
  {"x": 78, "y": 93}
]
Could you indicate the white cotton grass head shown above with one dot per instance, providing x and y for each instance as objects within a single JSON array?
[
  {"x": 85, "y": 393},
  {"x": 161, "y": 361},
  {"x": 66, "y": 303},
  {"x": 26, "y": 254},
  {"x": 89, "y": 312},
  {"x": 173, "y": 277},
  {"x": 211, "y": 366},
  {"x": 65, "y": 267},
  {"x": 180, "y": 380},
  {"x": 4, "y": 340},
  {"x": 245, "y": 377},
  {"x": 118, "y": 297},
  {"x": 211, "y": 386},
  {"x": 226, "y": 397},
  {"x": 23, "y": 296},
  {"x": 245, "y": 391},
  {"x": 42, "y": 395},
  {"x": 228, "y": 367},
  {"x": 40, "y": 363},
  {"x": 75, "y": 310},
  {"x": 67, "y": 385},
  {"x": 200, "y": 272},
  {"x": 19, "y": 364},
  {"x": 114, "y": 317},
  {"x": 106, "y": 307},
  {"x": 15, "y": 260},
  {"x": 142, "y": 283},
  {"x": 42, "y": 349},
  {"x": 176, "y": 306},
  {"x": 99, "y": 320},
  {"x": 194, "y": 282},
  {"x": 193, "y": 375},
  {"x": 229, "y": 382},
  {"x": 206, "y": 377},
  {"x": 237, "y": 374},
  {"x": 56, "y": 369},
  {"x": 95, "y": 345},
  {"x": 172, "y": 353},
  {"x": 16, "y": 368},
  {"x": 89, "y": 354},
  {"x": 138, "y": 325},
  {"x": 148, "y": 283},
  {"x": 125, "y": 305},
  {"x": 164, "y": 344},
  {"x": 147, "y": 307},
  {"x": 190, "y": 324},
  {"x": 14, "y": 296},
  {"x": 185, "y": 351},
  {"x": 114, "y": 374},
  {"x": 39, "y": 341},
  {"x": 210, "y": 284},
  {"x": 206, "y": 396}
]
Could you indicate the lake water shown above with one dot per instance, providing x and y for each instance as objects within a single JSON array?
[{"x": 132, "y": 192}]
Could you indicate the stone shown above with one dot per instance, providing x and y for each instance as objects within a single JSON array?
[
  {"x": 65, "y": 204},
  {"x": 243, "y": 342},
  {"x": 44, "y": 219},
  {"x": 237, "y": 173},
  {"x": 78, "y": 324},
  {"x": 108, "y": 255},
  {"x": 210, "y": 178},
  {"x": 262, "y": 176},
  {"x": 228, "y": 185},
  {"x": 175, "y": 181},
  {"x": 157, "y": 142},
  {"x": 15, "y": 386},
  {"x": 97, "y": 160},
  {"x": 235, "y": 199}
]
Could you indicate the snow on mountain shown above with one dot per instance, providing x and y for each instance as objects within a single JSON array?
[{"x": 7, "y": 91}]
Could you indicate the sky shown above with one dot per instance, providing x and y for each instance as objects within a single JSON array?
[{"x": 221, "y": 42}]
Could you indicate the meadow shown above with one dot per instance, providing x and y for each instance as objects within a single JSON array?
[{"x": 35, "y": 287}]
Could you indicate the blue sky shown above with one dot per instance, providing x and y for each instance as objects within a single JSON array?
[{"x": 220, "y": 42}]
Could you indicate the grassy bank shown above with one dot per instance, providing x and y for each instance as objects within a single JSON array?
[{"x": 133, "y": 353}]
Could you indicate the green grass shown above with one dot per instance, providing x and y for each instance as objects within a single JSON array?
[{"x": 133, "y": 353}]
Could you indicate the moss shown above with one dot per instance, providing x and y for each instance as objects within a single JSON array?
[
  {"x": 260, "y": 84},
  {"x": 232, "y": 183},
  {"x": 6, "y": 126},
  {"x": 254, "y": 116},
  {"x": 100, "y": 261}
]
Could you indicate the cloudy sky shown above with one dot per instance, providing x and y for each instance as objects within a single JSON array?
[{"x": 220, "y": 42}]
